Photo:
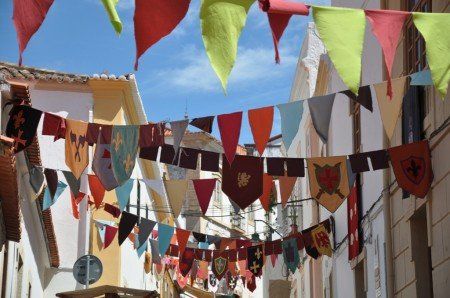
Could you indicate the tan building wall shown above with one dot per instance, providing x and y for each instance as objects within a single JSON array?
[{"x": 416, "y": 222}]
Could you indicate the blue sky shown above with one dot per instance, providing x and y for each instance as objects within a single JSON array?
[{"x": 77, "y": 37}]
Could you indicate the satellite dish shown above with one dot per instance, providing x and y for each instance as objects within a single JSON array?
[{"x": 87, "y": 270}]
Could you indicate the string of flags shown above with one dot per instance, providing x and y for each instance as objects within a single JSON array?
[{"x": 154, "y": 20}]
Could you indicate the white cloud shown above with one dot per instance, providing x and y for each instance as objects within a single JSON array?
[{"x": 253, "y": 64}]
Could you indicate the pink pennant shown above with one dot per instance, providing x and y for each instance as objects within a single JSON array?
[
  {"x": 28, "y": 16},
  {"x": 279, "y": 13},
  {"x": 230, "y": 129},
  {"x": 110, "y": 233},
  {"x": 204, "y": 189},
  {"x": 155, "y": 19},
  {"x": 387, "y": 27}
]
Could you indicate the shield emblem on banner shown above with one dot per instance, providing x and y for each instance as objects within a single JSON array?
[
  {"x": 414, "y": 168},
  {"x": 220, "y": 266},
  {"x": 328, "y": 177}
]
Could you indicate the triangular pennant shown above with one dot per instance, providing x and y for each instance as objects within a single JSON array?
[
  {"x": 286, "y": 186},
  {"x": 320, "y": 109},
  {"x": 390, "y": 109},
  {"x": 77, "y": 154},
  {"x": 204, "y": 189},
  {"x": 54, "y": 125},
  {"x": 110, "y": 6},
  {"x": 261, "y": 121},
  {"x": 49, "y": 200},
  {"x": 155, "y": 184},
  {"x": 145, "y": 228},
  {"x": 124, "y": 146},
  {"x": 344, "y": 46},
  {"x": 22, "y": 125},
  {"x": 110, "y": 233},
  {"x": 182, "y": 238},
  {"x": 155, "y": 19},
  {"x": 267, "y": 189},
  {"x": 279, "y": 13},
  {"x": 97, "y": 190},
  {"x": 37, "y": 178},
  {"x": 186, "y": 261},
  {"x": 273, "y": 259},
  {"x": 165, "y": 233},
  {"x": 387, "y": 27},
  {"x": 176, "y": 193},
  {"x": 28, "y": 16},
  {"x": 101, "y": 164},
  {"x": 51, "y": 177},
  {"x": 113, "y": 210},
  {"x": 291, "y": 115},
  {"x": 364, "y": 96},
  {"x": 235, "y": 206},
  {"x": 123, "y": 194},
  {"x": 101, "y": 227},
  {"x": 434, "y": 29},
  {"x": 141, "y": 249},
  {"x": 126, "y": 225},
  {"x": 203, "y": 123},
  {"x": 156, "y": 258},
  {"x": 230, "y": 129},
  {"x": 74, "y": 183},
  {"x": 178, "y": 129},
  {"x": 224, "y": 18},
  {"x": 421, "y": 78}
]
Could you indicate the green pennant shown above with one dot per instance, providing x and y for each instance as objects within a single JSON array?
[
  {"x": 434, "y": 29},
  {"x": 342, "y": 32},
  {"x": 110, "y": 6},
  {"x": 222, "y": 22}
]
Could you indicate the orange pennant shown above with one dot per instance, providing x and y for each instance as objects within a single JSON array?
[
  {"x": 267, "y": 189},
  {"x": 286, "y": 186},
  {"x": 97, "y": 190},
  {"x": 261, "y": 121},
  {"x": 182, "y": 238}
]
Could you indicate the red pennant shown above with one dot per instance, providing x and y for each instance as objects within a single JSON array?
[
  {"x": 273, "y": 259},
  {"x": 182, "y": 238},
  {"x": 74, "y": 201},
  {"x": 97, "y": 190},
  {"x": 353, "y": 224},
  {"x": 230, "y": 129},
  {"x": 28, "y": 16},
  {"x": 267, "y": 189},
  {"x": 54, "y": 125},
  {"x": 261, "y": 121},
  {"x": 279, "y": 13},
  {"x": 286, "y": 186},
  {"x": 110, "y": 233},
  {"x": 155, "y": 19},
  {"x": 204, "y": 189},
  {"x": 387, "y": 27}
]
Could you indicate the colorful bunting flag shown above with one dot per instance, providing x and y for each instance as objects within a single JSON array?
[
  {"x": 387, "y": 27},
  {"x": 421, "y": 78},
  {"x": 113, "y": 210},
  {"x": 110, "y": 233},
  {"x": 97, "y": 190},
  {"x": 74, "y": 183},
  {"x": 353, "y": 224},
  {"x": 123, "y": 194},
  {"x": 151, "y": 135},
  {"x": 54, "y": 125},
  {"x": 390, "y": 109},
  {"x": 126, "y": 225},
  {"x": 28, "y": 16},
  {"x": 156, "y": 185},
  {"x": 155, "y": 19},
  {"x": 22, "y": 125},
  {"x": 154, "y": 248},
  {"x": 51, "y": 177},
  {"x": 204, "y": 189},
  {"x": 50, "y": 199},
  {"x": 344, "y": 46},
  {"x": 165, "y": 233},
  {"x": 261, "y": 121},
  {"x": 124, "y": 145},
  {"x": 320, "y": 109},
  {"x": 110, "y": 7},
  {"x": 145, "y": 228},
  {"x": 102, "y": 164},
  {"x": 286, "y": 186},
  {"x": 242, "y": 182},
  {"x": 182, "y": 238},
  {"x": 230, "y": 129},
  {"x": 203, "y": 123},
  {"x": 328, "y": 181},
  {"x": 291, "y": 115},
  {"x": 222, "y": 22},
  {"x": 219, "y": 264},
  {"x": 322, "y": 240},
  {"x": 290, "y": 253},
  {"x": 178, "y": 130},
  {"x": 434, "y": 29},
  {"x": 255, "y": 257},
  {"x": 186, "y": 261},
  {"x": 77, "y": 155},
  {"x": 141, "y": 249},
  {"x": 176, "y": 193},
  {"x": 411, "y": 164},
  {"x": 364, "y": 96},
  {"x": 267, "y": 190},
  {"x": 37, "y": 178}
]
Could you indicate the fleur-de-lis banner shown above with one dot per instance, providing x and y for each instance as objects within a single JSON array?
[
  {"x": 328, "y": 181},
  {"x": 77, "y": 157},
  {"x": 255, "y": 257},
  {"x": 102, "y": 164},
  {"x": 124, "y": 145},
  {"x": 243, "y": 180},
  {"x": 22, "y": 126}
]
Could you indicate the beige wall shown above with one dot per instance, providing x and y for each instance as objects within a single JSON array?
[{"x": 437, "y": 203}]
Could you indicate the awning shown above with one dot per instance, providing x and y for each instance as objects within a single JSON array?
[{"x": 108, "y": 291}]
